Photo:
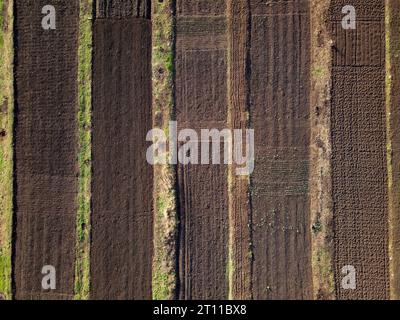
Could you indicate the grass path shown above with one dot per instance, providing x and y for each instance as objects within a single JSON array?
[
  {"x": 82, "y": 259},
  {"x": 165, "y": 218},
  {"x": 321, "y": 204},
  {"x": 6, "y": 140}
]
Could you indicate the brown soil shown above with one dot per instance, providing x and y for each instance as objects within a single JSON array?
[
  {"x": 394, "y": 135},
  {"x": 279, "y": 113},
  {"x": 359, "y": 167},
  {"x": 203, "y": 245},
  {"x": 317, "y": 201},
  {"x": 201, "y": 91},
  {"x": 123, "y": 8},
  {"x": 205, "y": 8},
  {"x": 121, "y": 252},
  {"x": 45, "y": 148},
  {"x": 238, "y": 93}
]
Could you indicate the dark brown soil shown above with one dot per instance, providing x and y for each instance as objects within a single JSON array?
[
  {"x": 238, "y": 64},
  {"x": 123, "y": 8},
  {"x": 201, "y": 7},
  {"x": 395, "y": 140},
  {"x": 201, "y": 77},
  {"x": 359, "y": 167},
  {"x": 203, "y": 245},
  {"x": 122, "y": 246},
  {"x": 279, "y": 113},
  {"x": 45, "y": 148}
]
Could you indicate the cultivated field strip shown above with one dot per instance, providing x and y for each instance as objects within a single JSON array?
[
  {"x": 393, "y": 99},
  {"x": 359, "y": 164},
  {"x": 201, "y": 93},
  {"x": 122, "y": 186},
  {"x": 123, "y": 8},
  {"x": 324, "y": 191},
  {"x": 279, "y": 113},
  {"x": 45, "y": 149}
]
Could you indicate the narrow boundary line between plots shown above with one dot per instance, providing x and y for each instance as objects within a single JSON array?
[
  {"x": 82, "y": 258},
  {"x": 6, "y": 145}
]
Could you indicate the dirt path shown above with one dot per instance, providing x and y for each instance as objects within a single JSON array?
[
  {"x": 238, "y": 12},
  {"x": 45, "y": 148},
  {"x": 359, "y": 168},
  {"x": 121, "y": 252},
  {"x": 279, "y": 113},
  {"x": 320, "y": 175},
  {"x": 201, "y": 84}
]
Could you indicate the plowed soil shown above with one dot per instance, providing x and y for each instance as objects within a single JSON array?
[
  {"x": 122, "y": 246},
  {"x": 45, "y": 148},
  {"x": 359, "y": 164},
  {"x": 279, "y": 113},
  {"x": 237, "y": 64},
  {"x": 201, "y": 84},
  {"x": 394, "y": 135},
  {"x": 123, "y": 8}
]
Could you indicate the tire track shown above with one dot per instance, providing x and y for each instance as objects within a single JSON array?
[
  {"x": 279, "y": 113},
  {"x": 201, "y": 87}
]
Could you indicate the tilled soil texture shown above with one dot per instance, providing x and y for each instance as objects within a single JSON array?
[
  {"x": 359, "y": 165},
  {"x": 279, "y": 113},
  {"x": 122, "y": 186},
  {"x": 123, "y": 8},
  {"x": 201, "y": 92},
  {"x": 45, "y": 148},
  {"x": 394, "y": 135}
]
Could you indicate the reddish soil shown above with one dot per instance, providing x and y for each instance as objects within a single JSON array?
[
  {"x": 279, "y": 113},
  {"x": 45, "y": 149},
  {"x": 122, "y": 187},
  {"x": 359, "y": 165},
  {"x": 201, "y": 91}
]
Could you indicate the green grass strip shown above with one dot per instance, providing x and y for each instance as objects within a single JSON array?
[
  {"x": 165, "y": 222},
  {"x": 6, "y": 140},
  {"x": 82, "y": 263}
]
